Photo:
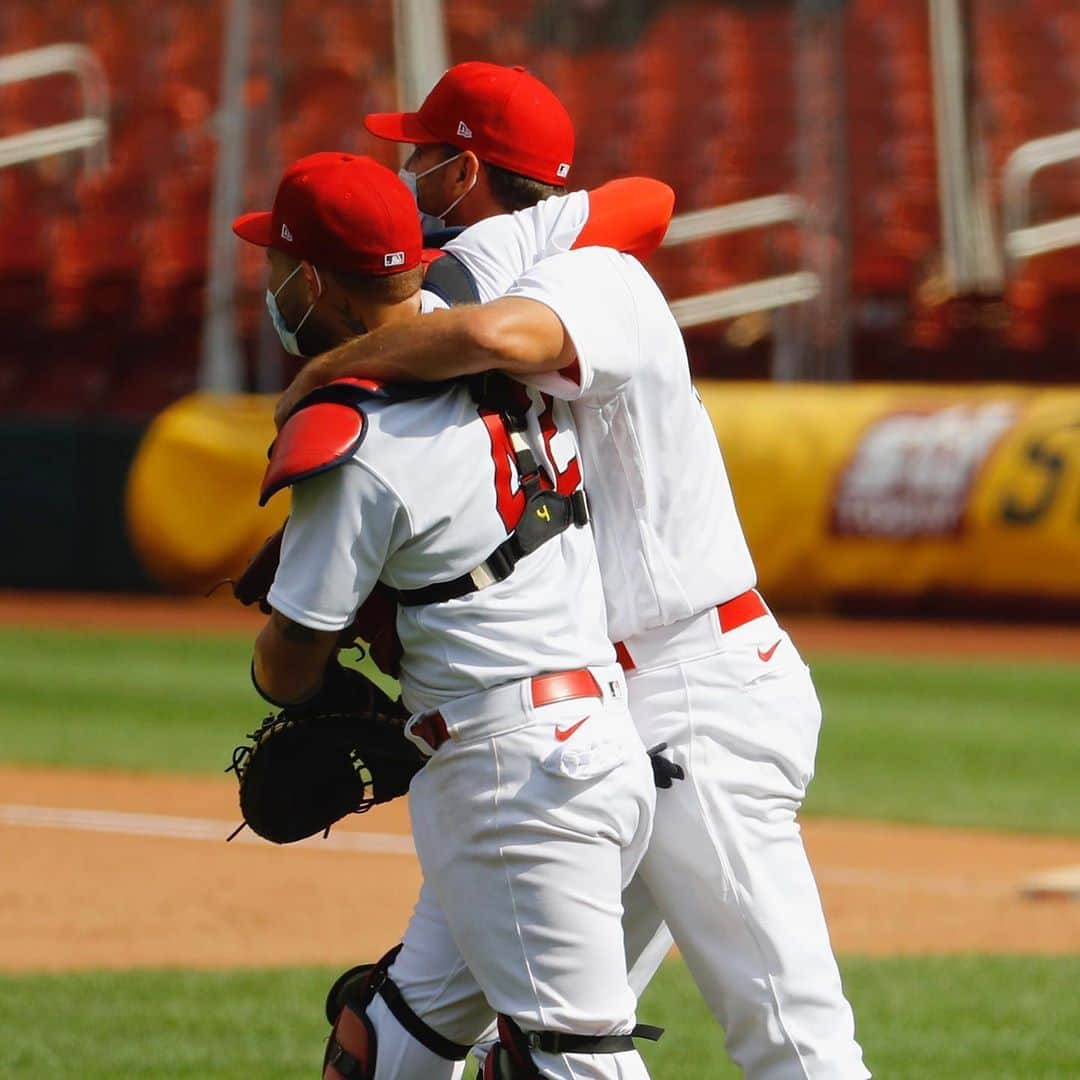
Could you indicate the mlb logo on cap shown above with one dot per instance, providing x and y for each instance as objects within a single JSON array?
[
  {"x": 344, "y": 213},
  {"x": 563, "y": 171}
]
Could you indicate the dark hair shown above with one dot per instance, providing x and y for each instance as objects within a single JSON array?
[
  {"x": 512, "y": 191},
  {"x": 387, "y": 289}
]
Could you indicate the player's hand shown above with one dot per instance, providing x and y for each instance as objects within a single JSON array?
[
  {"x": 665, "y": 771},
  {"x": 291, "y": 396}
]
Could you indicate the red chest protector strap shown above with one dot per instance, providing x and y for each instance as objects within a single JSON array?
[
  {"x": 327, "y": 427},
  {"x": 545, "y": 515}
]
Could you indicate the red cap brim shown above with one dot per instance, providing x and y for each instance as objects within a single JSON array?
[
  {"x": 254, "y": 227},
  {"x": 399, "y": 127}
]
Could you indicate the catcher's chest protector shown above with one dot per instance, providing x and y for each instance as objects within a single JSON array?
[
  {"x": 328, "y": 426},
  {"x": 545, "y": 514},
  {"x": 451, "y": 280}
]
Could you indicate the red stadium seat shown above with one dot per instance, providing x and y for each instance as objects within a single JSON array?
[
  {"x": 705, "y": 99},
  {"x": 24, "y": 267},
  {"x": 173, "y": 270},
  {"x": 95, "y": 269}
]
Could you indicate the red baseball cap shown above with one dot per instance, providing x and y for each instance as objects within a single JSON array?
[
  {"x": 506, "y": 116},
  {"x": 342, "y": 212}
]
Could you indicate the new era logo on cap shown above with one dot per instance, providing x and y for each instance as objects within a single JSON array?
[
  {"x": 514, "y": 121},
  {"x": 343, "y": 212}
]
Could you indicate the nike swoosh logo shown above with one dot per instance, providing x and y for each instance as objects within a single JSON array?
[
  {"x": 766, "y": 656},
  {"x": 562, "y": 734}
]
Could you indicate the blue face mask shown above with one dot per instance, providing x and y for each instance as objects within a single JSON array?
[
  {"x": 430, "y": 223},
  {"x": 287, "y": 336}
]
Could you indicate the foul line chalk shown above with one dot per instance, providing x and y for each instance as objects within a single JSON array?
[
  {"x": 123, "y": 823},
  {"x": 1063, "y": 883}
]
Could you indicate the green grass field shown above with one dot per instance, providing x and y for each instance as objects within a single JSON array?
[
  {"x": 902, "y": 740},
  {"x": 977, "y": 1018},
  {"x": 990, "y": 745}
]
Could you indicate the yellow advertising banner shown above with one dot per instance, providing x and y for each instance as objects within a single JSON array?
[
  {"x": 886, "y": 490},
  {"x": 906, "y": 491}
]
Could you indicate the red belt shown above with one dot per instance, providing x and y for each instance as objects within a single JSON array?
[
  {"x": 733, "y": 613},
  {"x": 742, "y": 609},
  {"x": 545, "y": 690}
]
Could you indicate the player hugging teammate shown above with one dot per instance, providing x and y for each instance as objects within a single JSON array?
[{"x": 536, "y": 802}]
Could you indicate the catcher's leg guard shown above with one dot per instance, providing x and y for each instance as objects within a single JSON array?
[
  {"x": 511, "y": 1058},
  {"x": 351, "y": 1051}
]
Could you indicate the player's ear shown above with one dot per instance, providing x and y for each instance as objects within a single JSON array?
[
  {"x": 313, "y": 280},
  {"x": 468, "y": 168}
]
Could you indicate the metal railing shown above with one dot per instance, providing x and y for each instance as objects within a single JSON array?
[
  {"x": 89, "y": 133},
  {"x": 971, "y": 260},
  {"x": 766, "y": 294},
  {"x": 221, "y": 365},
  {"x": 1022, "y": 240}
]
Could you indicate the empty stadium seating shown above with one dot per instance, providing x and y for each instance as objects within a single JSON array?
[{"x": 97, "y": 269}]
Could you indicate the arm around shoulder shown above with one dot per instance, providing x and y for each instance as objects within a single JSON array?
[
  {"x": 520, "y": 336},
  {"x": 516, "y": 334}
]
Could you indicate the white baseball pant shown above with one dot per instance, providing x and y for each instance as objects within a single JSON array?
[
  {"x": 529, "y": 821},
  {"x": 726, "y": 867}
]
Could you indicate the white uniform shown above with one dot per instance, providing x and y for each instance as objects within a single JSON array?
[
  {"x": 726, "y": 867},
  {"x": 532, "y": 817}
]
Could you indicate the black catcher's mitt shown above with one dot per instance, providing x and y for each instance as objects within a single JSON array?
[{"x": 311, "y": 764}]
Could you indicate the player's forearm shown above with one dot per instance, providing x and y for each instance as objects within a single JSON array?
[
  {"x": 289, "y": 661},
  {"x": 438, "y": 346},
  {"x": 518, "y": 336},
  {"x": 515, "y": 335}
]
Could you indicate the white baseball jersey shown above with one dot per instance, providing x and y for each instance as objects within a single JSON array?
[
  {"x": 499, "y": 249},
  {"x": 668, "y": 535},
  {"x": 428, "y": 495},
  {"x": 726, "y": 868}
]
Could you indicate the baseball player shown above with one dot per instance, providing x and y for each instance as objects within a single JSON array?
[
  {"x": 536, "y": 804},
  {"x": 709, "y": 669}
]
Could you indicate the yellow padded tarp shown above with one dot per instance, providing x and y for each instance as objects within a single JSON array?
[
  {"x": 891, "y": 490},
  {"x": 193, "y": 489}
]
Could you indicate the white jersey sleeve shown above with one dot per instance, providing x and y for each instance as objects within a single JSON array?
[
  {"x": 344, "y": 525},
  {"x": 592, "y": 292},
  {"x": 667, "y": 531},
  {"x": 500, "y": 249},
  {"x": 430, "y": 493}
]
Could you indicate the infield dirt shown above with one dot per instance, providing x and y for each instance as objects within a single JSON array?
[
  {"x": 74, "y": 896},
  {"x": 141, "y": 876}
]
